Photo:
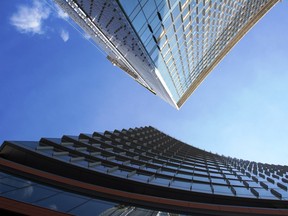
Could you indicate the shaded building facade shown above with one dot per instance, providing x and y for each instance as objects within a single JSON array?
[
  {"x": 139, "y": 171},
  {"x": 168, "y": 46}
]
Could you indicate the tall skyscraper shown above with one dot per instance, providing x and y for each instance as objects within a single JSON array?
[
  {"x": 168, "y": 46},
  {"x": 139, "y": 171}
]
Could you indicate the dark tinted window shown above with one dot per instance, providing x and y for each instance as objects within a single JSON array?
[
  {"x": 29, "y": 194},
  {"x": 94, "y": 207},
  {"x": 62, "y": 202}
]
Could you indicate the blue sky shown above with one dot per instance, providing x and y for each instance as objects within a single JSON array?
[{"x": 53, "y": 81}]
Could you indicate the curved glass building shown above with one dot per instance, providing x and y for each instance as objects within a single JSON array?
[
  {"x": 168, "y": 46},
  {"x": 139, "y": 171}
]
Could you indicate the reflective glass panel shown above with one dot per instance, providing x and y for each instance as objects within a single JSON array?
[
  {"x": 29, "y": 194},
  {"x": 95, "y": 207},
  {"x": 62, "y": 202}
]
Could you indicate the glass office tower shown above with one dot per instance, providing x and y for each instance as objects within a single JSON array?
[
  {"x": 139, "y": 171},
  {"x": 168, "y": 46}
]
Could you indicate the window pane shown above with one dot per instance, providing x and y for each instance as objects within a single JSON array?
[
  {"x": 15, "y": 182},
  {"x": 160, "y": 181},
  {"x": 62, "y": 202},
  {"x": 222, "y": 190},
  {"x": 201, "y": 178},
  {"x": 181, "y": 184},
  {"x": 5, "y": 188},
  {"x": 128, "y": 6},
  {"x": 201, "y": 188},
  {"x": 29, "y": 194},
  {"x": 95, "y": 206},
  {"x": 243, "y": 192},
  {"x": 140, "y": 177}
]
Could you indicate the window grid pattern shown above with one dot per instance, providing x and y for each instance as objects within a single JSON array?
[
  {"x": 168, "y": 46},
  {"x": 150, "y": 156},
  {"x": 184, "y": 37}
]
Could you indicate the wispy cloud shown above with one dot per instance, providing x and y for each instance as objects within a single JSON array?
[
  {"x": 29, "y": 19},
  {"x": 64, "y": 35}
]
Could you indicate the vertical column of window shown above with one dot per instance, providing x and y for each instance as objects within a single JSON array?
[
  {"x": 212, "y": 33},
  {"x": 175, "y": 48},
  {"x": 231, "y": 21},
  {"x": 179, "y": 64},
  {"x": 201, "y": 180},
  {"x": 147, "y": 11},
  {"x": 217, "y": 17},
  {"x": 192, "y": 44},
  {"x": 186, "y": 20},
  {"x": 218, "y": 29},
  {"x": 162, "y": 12},
  {"x": 198, "y": 51},
  {"x": 206, "y": 21},
  {"x": 166, "y": 62},
  {"x": 129, "y": 38},
  {"x": 202, "y": 33}
]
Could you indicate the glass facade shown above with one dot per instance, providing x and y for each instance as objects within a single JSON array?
[
  {"x": 185, "y": 37},
  {"x": 141, "y": 160},
  {"x": 187, "y": 169},
  {"x": 39, "y": 194},
  {"x": 169, "y": 46},
  {"x": 27, "y": 191}
]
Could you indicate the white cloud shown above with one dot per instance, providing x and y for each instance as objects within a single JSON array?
[
  {"x": 64, "y": 35},
  {"x": 29, "y": 19}
]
